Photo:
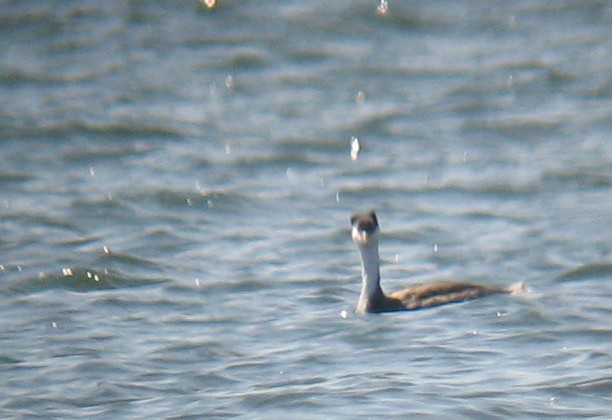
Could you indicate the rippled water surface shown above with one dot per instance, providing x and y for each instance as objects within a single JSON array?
[{"x": 176, "y": 184}]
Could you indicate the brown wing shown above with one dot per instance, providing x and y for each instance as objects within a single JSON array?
[{"x": 435, "y": 294}]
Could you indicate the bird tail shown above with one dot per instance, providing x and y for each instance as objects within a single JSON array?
[{"x": 517, "y": 288}]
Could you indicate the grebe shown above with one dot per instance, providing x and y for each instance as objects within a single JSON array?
[{"x": 365, "y": 233}]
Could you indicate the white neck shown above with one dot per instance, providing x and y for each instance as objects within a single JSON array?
[{"x": 370, "y": 275}]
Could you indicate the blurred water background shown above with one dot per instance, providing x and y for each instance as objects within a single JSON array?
[{"x": 176, "y": 184}]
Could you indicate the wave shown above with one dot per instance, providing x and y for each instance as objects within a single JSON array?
[
  {"x": 113, "y": 129},
  {"x": 589, "y": 271},
  {"x": 79, "y": 279}
]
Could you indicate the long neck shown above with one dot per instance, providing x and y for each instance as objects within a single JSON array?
[{"x": 370, "y": 277}]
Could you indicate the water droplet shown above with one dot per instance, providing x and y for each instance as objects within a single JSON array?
[
  {"x": 338, "y": 197},
  {"x": 67, "y": 272},
  {"x": 189, "y": 202},
  {"x": 228, "y": 149},
  {"x": 212, "y": 90},
  {"x": 355, "y": 148},
  {"x": 197, "y": 282},
  {"x": 435, "y": 247},
  {"x": 360, "y": 97},
  {"x": 209, "y": 3},
  {"x": 343, "y": 314},
  {"x": 54, "y": 324},
  {"x": 512, "y": 24},
  {"x": 92, "y": 172},
  {"x": 510, "y": 82},
  {"x": 106, "y": 250},
  {"x": 383, "y": 7},
  {"x": 96, "y": 277},
  {"x": 229, "y": 82}
]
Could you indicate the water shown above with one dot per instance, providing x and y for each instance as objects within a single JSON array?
[{"x": 176, "y": 184}]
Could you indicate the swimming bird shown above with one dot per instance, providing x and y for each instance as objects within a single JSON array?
[{"x": 365, "y": 234}]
